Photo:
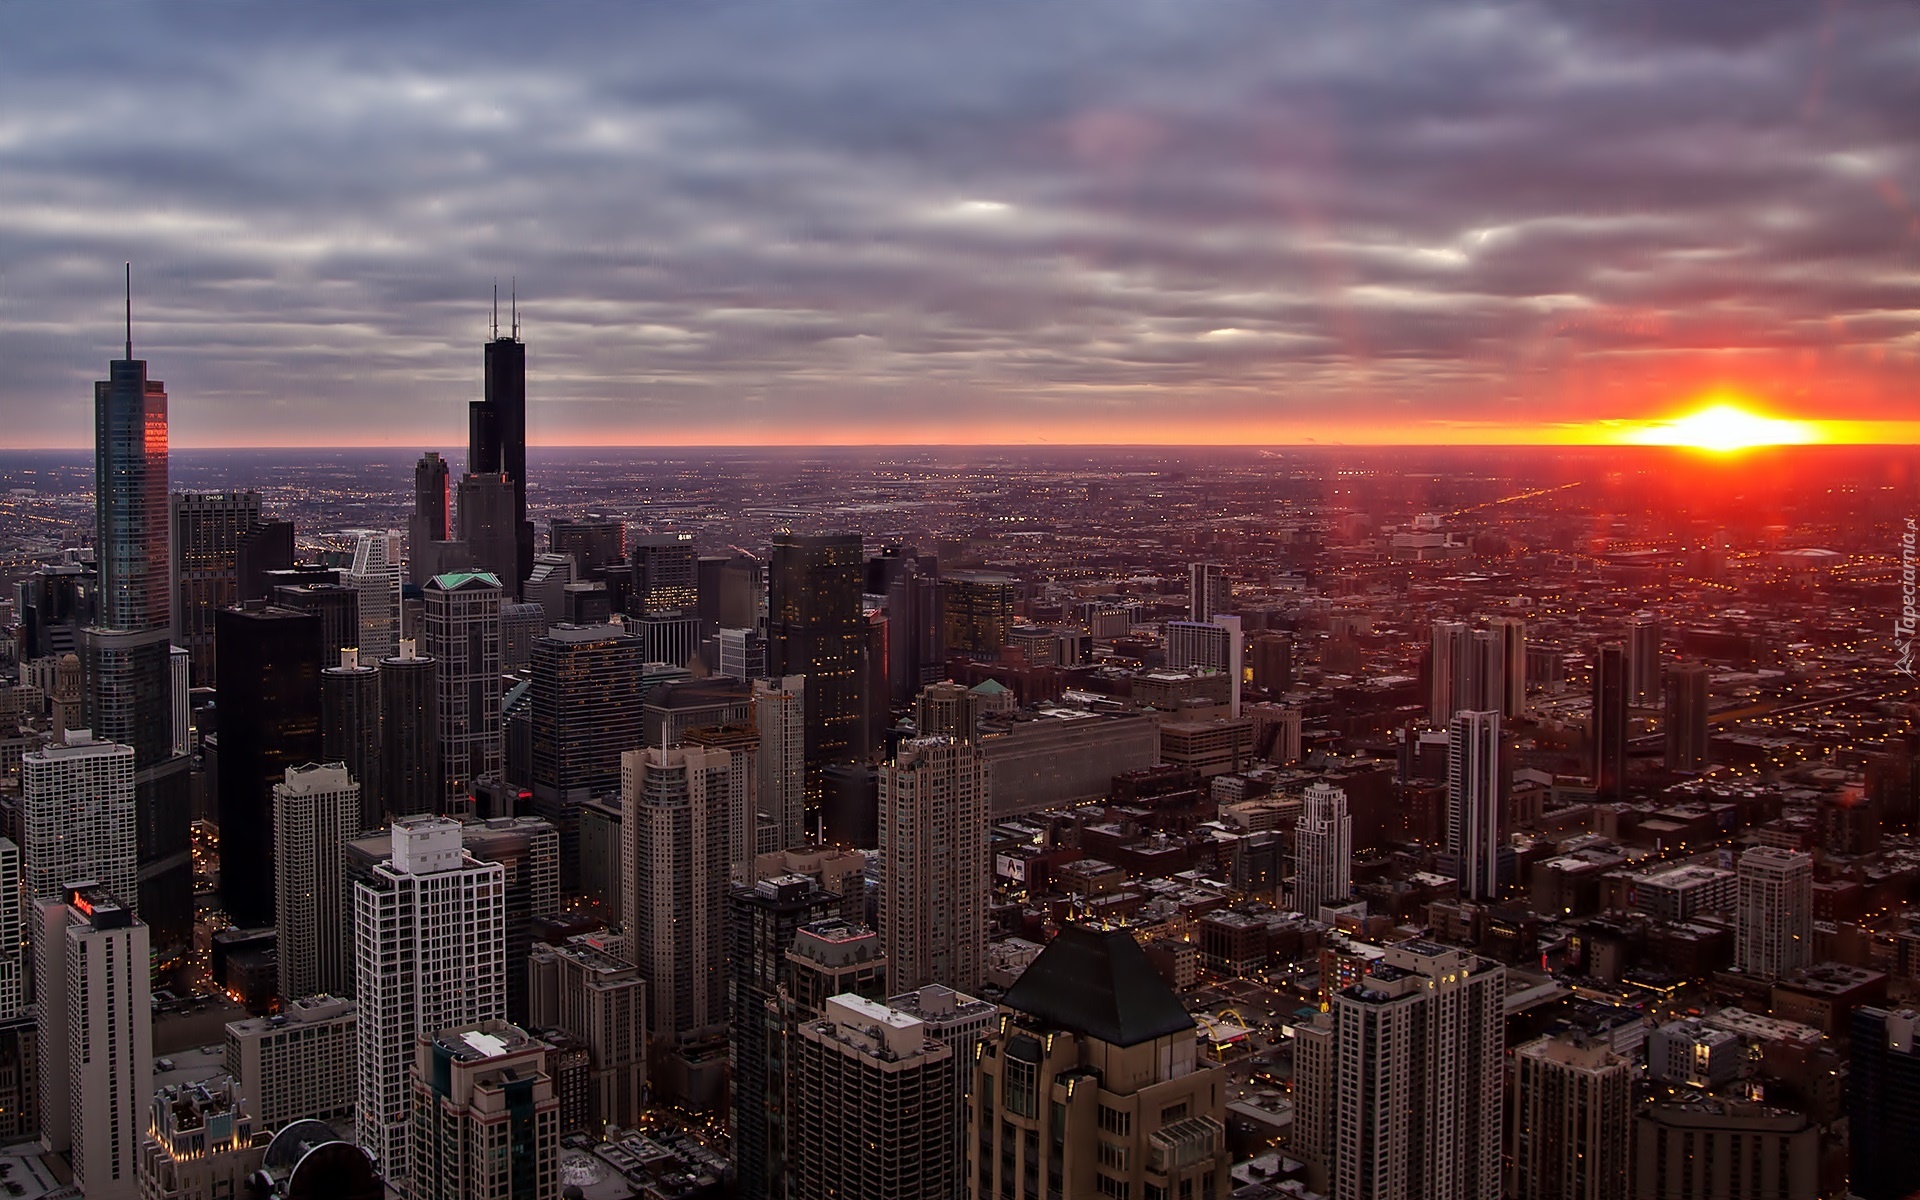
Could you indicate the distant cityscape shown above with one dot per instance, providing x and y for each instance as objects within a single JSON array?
[{"x": 921, "y": 823}]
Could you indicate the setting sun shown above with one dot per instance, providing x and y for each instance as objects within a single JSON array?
[{"x": 1724, "y": 427}]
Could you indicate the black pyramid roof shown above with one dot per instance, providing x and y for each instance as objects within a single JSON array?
[{"x": 1098, "y": 982}]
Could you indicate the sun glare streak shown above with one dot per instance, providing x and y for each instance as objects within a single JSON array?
[{"x": 1724, "y": 427}]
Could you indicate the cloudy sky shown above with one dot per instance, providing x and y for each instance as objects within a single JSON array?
[{"x": 1003, "y": 220}]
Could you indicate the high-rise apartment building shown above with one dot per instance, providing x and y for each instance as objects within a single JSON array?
[
  {"x": 742, "y": 654},
  {"x": 375, "y": 579},
  {"x": 410, "y": 768},
  {"x": 1611, "y": 697},
  {"x": 977, "y": 610},
  {"x": 916, "y": 623},
  {"x": 1643, "y": 659},
  {"x": 1773, "y": 918},
  {"x": 77, "y": 817},
  {"x": 1572, "y": 1119},
  {"x": 200, "y": 1142},
  {"x": 1688, "y": 736},
  {"x": 1215, "y": 645},
  {"x": 780, "y": 713},
  {"x": 96, "y": 1037},
  {"x": 127, "y": 648},
  {"x": 315, "y": 810},
  {"x": 960, "y": 1023},
  {"x": 579, "y": 987},
  {"x": 1323, "y": 850},
  {"x": 1209, "y": 592},
  {"x": 485, "y": 1114},
  {"x": 1398, "y": 1086},
  {"x": 747, "y": 828},
  {"x": 675, "y": 845},
  {"x": 350, "y": 730},
  {"x": 13, "y": 941},
  {"x": 1093, "y": 1083},
  {"x": 815, "y": 628},
  {"x": 269, "y": 722},
  {"x": 207, "y": 529},
  {"x": 934, "y": 872},
  {"x": 528, "y": 852},
  {"x": 585, "y": 713},
  {"x": 1270, "y": 657},
  {"x": 1474, "y": 780},
  {"x": 429, "y": 954},
  {"x": 871, "y": 1106},
  {"x": 1449, "y": 649},
  {"x": 1511, "y": 696},
  {"x": 462, "y": 620},
  {"x": 666, "y": 576}
]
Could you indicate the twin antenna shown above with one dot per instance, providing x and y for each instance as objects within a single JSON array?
[
  {"x": 129, "y": 312},
  {"x": 513, "y": 311}
]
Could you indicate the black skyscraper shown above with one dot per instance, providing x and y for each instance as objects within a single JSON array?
[
  {"x": 269, "y": 720},
  {"x": 1610, "y": 699},
  {"x": 497, "y": 436},
  {"x": 1686, "y": 717},
  {"x": 815, "y": 627},
  {"x": 338, "y": 608},
  {"x": 350, "y": 729},
  {"x": 1883, "y": 1104},
  {"x": 411, "y": 780}
]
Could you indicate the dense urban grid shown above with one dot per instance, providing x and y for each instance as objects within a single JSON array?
[{"x": 1398, "y": 824}]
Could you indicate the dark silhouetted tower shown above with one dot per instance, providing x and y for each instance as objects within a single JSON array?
[
  {"x": 350, "y": 729},
  {"x": 269, "y": 691},
  {"x": 410, "y": 771},
  {"x": 208, "y": 528},
  {"x": 337, "y": 607},
  {"x": 1686, "y": 717},
  {"x": 497, "y": 436},
  {"x": 815, "y": 628},
  {"x": 1610, "y": 700},
  {"x": 585, "y": 713},
  {"x": 665, "y": 574}
]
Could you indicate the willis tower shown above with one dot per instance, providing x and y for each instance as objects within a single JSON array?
[
  {"x": 128, "y": 649},
  {"x": 497, "y": 449}
]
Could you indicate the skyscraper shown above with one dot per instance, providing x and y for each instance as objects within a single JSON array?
[
  {"x": 1643, "y": 659},
  {"x": 1474, "y": 790},
  {"x": 13, "y": 973},
  {"x": 528, "y": 852},
  {"x": 746, "y": 828},
  {"x": 350, "y": 731},
  {"x": 1773, "y": 920},
  {"x": 978, "y": 612},
  {"x": 871, "y": 1106},
  {"x": 815, "y": 627},
  {"x": 1323, "y": 841},
  {"x": 487, "y": 543},
  {"x": 1093, "y": 1084},
  {"x": 1216, "y": 645},
  {"x": 762, "y": 923},
  {"x": 429, "y": 522},
  {"x": 497, "y": 440},
  {"x": 410, "y": 768},
  {"x": 1883, "y": 1103},
  {"x": 916, "y": 624},
  {"x": 315, "y": 810},
  {"x": 1450, "y": 647},
  {"x": 486, "y": 1115},
  {"x": 207, "y": 528},
  {"x": 585, "y": 694},
  {"x": 1572, "y": 1117},
  {"x": 666, "y": 576},
  {"x": 675, "y": 844},
  {"x": 1688, "y": 735},
  {"x": 934, "y": 874},
  {"x": 1398, "y": 1092},
  {"x": 96, "y": 1037},
  {"x": 581, "y": 989},
  {"x": 1511, "y": 697},
  {"x": 269, "y": 721},
  {"x": 375, "y": 577},
  {"x": 1609, "y": 723},
  {"x": 77, "y": 816},
  {"x": 779, "y": 710},
  {"x": 336, "y": 607},
  {"x": 128, "y": 663},
  {"x": 1208, "y": 591},
  {"x": 462, "y": 620},
  {"x": 594, "y": 542},
  {"x": 429, "y": 954}
]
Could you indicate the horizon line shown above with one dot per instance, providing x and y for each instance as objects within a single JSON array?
[{"x": 802, "y": 446}]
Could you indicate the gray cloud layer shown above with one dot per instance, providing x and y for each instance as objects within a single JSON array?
[{"x": 740, "y": 221}]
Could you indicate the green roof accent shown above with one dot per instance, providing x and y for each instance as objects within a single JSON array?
[
  {"x": 459, "y": 579},
  {"x": 989, "y": 687}
]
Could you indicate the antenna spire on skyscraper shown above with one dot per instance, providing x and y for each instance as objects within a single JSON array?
[
  {"x": 513, "y": 300},
  {"x": 496, "y": 310},
  {"x": 129, "y": 311}
]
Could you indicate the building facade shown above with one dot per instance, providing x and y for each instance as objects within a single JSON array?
[
  {"x": 315, "y": 810},
  {"x": 934, "y": 877}
]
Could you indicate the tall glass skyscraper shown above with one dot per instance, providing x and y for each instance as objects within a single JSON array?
[
  {"x": 128, "y": 656},
  {"x": 815, "y": 628},
  {"x": 497, "y": 436}
]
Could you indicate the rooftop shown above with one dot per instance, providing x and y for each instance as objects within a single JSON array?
[{"x": 1099, "y": 982}]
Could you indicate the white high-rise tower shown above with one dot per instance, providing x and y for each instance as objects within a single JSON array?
[
  {"x": 1323, "y": 840},
  {"x": 1773, "y": 930},
  {"x": 375, "y": 574},
  {"x": 315, "y": 810},
  {"x": 77, "y": 813},
  {"x": 429, "y": 954}
]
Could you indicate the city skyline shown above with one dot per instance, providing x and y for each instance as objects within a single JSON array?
[{"x": 989, "y": 226}]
